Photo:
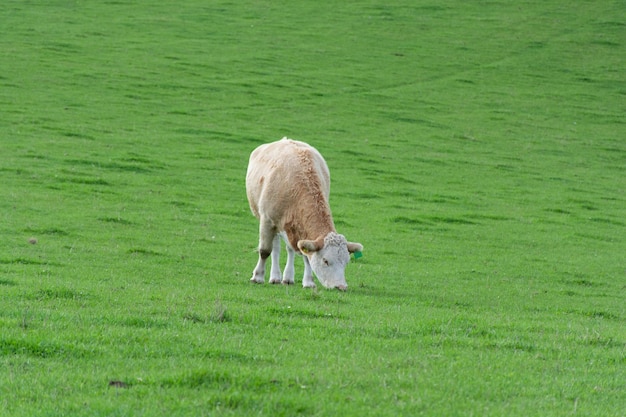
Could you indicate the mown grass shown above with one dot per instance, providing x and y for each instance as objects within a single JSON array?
[{"x": 476, "y": 150}]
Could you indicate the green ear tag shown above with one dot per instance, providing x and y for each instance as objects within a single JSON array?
[{"x": 358, "y": 254}]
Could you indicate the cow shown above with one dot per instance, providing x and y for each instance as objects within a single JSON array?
[{"x": 288, "y": 186}]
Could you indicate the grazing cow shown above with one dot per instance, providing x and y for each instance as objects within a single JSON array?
[{"x": 288, "y": 185}]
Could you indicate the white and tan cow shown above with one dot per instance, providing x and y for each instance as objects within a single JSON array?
[{"x": 288, "y": 185}]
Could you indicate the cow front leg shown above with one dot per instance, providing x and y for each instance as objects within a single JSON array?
[
  {"x": 275, "y": 273},
  {"x": 289, "y": 268},
  {"x": 307, "y": 280},
  {"x": 266, "y": 237},
  {"x": 258, "y": 275}
]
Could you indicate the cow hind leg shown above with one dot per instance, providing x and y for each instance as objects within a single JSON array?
[
  {"x": 275, "y": 273},
  {"x": 289, "y": 268},
  {"x": 258, "y": 275},
  {"x": 266, "y": 238}
]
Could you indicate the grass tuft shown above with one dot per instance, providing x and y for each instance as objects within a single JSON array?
[{"x": 219, "y": 313}]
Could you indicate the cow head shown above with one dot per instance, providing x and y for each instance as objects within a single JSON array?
[{"x": 328, "y": 257}]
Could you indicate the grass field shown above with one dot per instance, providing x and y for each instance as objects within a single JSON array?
[{"x": 476, "y": 149}]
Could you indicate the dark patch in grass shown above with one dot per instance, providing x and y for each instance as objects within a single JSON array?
[
  {"x": 29, "y": 348},
  {"x": 144, "y": 323},
  {"x": 407, "y": 220},
  {"x": 86, "y": 181},
  {"x": 416, "y": 121},
  {"x": 430, "y": 161},
  {"x": 182, "y": 204},
  {"x": 59, "y": 293},
  {"x": 213, "y": 133},
  {"x": 310, "y": 314},
  {"x": 516, "y": 346},
  {"x": 400, "y": 179},
  {"x": 450, "y": 220},
  {"x": 231, "y": 384},
  {"x": 585, "y": 283},
  {"x": 432, "y": 8},
  {"x": 604, "y": 342},
  {"x": 200, "y": 378},
  {"x": 505, "y": 167},
  {"x": 405, "y": 194},
  {"x": 363, "y": 196},
  {"x": 557, "y": 210},
  {"x": 494, "y": 217},
  {"x": 374, "y": 171},
  {"x": 600, "y": 238},
  {"x": 604, "y": 42},
  {"x": 599, "y": 315},
  {"x": 132, "y": 164},
  {"x": 7, "y": 282},
  {"x": 81, "y": 162},
  {"x": 431, "y": 221},
  {"x": 135, "y": 97},
  {"x": 41, "y": 349},
  {"x": 116, "y": 220},
  {"x": 228, "y": 356},
  {"x": 207, "y": 240},
  {"x": 612, "y": 24},
  {"x": 536, "y": 44},
  {"x": 353, "y": 153},
  {"x": 140, "y": 251},
  {"x": 613, "y": 150},
  {"x": 78, "y": 135},
  {"x": 435, "y": 199},
  {"x": 607, "y": 221},
  {"x": 23, "y": 261},
  {"x": 341, "y": 223},
  {"x": 16, "y": 171},
  {"x": 139, "y": 160},
  {"x": 231, "y": 401},
  {"x": 62, "y": 46},
  {"x": 580, "y": 201},
  {"x": 409, "y": 120},
  {"x": 47, "y": 231},
  {"x": 114, "y": 166},
  {"x": 233, "y": 213}
]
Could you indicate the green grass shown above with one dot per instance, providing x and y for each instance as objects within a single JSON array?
[{"x": 476, "y": 149}]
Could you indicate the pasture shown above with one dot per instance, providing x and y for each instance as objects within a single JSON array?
[{"x": 477, "y": 150}]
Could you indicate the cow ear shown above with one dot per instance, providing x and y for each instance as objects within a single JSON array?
[
  {"x": 354, "y": 247},
  {"x": 308, "y": 246}
]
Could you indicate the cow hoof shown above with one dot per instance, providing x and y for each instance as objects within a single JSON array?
[
  {"x": 342, "y": 287},
  {"x": 274, "y": 281},
  {"x": 308, "y": 285},
  {"x": 288, "y": 282},
  {"x": 255, "y": 280}
]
